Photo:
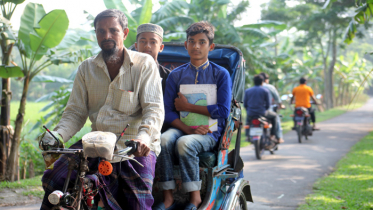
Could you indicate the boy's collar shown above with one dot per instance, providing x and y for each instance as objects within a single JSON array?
[{"x": 201, "y": 67}]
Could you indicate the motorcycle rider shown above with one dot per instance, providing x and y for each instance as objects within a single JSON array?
[
  {"x": 257, "y": 103},
  {"x": 302, "y": 95},
  {"x": 274, "y": 99}
]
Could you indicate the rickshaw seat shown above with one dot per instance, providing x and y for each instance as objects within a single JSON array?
[{"x": 207, "y": 159}]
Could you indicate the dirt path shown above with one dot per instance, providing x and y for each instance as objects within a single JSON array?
[
  {"x": 283, "y": 180},
  {"x": 11, "y": 197}
]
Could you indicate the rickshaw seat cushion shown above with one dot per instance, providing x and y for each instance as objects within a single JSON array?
[{"x": 207, "y": 159}]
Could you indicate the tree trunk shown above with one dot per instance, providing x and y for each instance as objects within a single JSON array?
[
  {"x": 328, "y": 74},
  {"x": 31, "y": 169},
  {"x": 331, "y": 69},
  {"x": 24, "y": 169},
  {"x": 6, "y": 49},
  {"x": 12, "y": 162},
  {"x": 17, "y": 177}
]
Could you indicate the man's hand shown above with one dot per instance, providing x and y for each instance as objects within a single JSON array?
[
  {"x": 47, "y": 141},
  {"x": 202, "y": 130},
  {"x": 181, "y": 103},
  {"x": 142, "y": 149}
]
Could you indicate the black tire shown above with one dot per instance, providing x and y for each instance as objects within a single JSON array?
[
  {"x": 240, "y": 203},
  {"x": 258, "y": 151},
  {"x": 299, "y": 132}
]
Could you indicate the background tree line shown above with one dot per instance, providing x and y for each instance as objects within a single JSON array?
[{"x": 293, "y": 39}]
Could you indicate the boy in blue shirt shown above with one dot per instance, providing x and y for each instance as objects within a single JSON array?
[{"x": 181, "y": 141}]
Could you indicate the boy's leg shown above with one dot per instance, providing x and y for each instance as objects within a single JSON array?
[
  {"x": 165, "y": 163},
  {"x": 272, "y": 117},
  {"x": 166, "y": 158},
  {"x": 188, "y": 147},
  {"x": 279, "y": 129}
]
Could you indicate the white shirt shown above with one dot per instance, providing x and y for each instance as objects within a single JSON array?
[{"x": 134, "y": 97}]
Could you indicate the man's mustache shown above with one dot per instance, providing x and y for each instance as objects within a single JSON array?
[{"x": 107, "y": 41}]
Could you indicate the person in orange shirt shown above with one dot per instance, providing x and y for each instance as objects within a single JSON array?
[{"x": 302, "y": 95}]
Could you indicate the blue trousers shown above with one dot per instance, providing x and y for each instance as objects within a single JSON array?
[{"x": 185, "y": 148}]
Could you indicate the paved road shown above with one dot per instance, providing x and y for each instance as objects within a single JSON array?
[
  {"x": 282, "y": 181},
  {"x": 27, "y": 207}
]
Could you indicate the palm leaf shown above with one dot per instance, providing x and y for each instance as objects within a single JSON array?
[
  {"x": 173, "y": 22},
  {"x": 169, "y": 9},
  {"x": 146, "y": 12}
]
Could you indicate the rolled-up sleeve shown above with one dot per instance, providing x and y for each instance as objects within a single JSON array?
[
  {"x": 76, "y": 111},
  {"x": 224, "y": 94},
  {"x": 151, "y": 99}
]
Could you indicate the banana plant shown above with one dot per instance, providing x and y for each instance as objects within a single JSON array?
[
  {"x": 39, "y": 33},
  {"x": 7, "y": 40}
]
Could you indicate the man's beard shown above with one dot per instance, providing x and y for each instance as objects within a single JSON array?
[{"x": 110, "y": 55}]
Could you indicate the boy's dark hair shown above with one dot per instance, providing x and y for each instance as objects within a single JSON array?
[
  {"x": 302, "y": 80},
  {"x": 258, "y": 80},
  {"x": 264, "y": 75},
  {"x": 201, "y": 27},
  {"x": 121, "y": 17}
]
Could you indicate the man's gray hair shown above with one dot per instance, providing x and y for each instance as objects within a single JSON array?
[{"x": 121, "y": 17}]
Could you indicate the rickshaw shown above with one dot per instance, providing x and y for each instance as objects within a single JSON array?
[{"x": 223, "y": 186}]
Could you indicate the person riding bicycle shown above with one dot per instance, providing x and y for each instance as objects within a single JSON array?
[
  {"x": 257, "y": 103},
  {"x": 181, "y": 141},
  {"x": 115, "y": 88},
  {"x": 302, "y": 95},
  {"x": 274, "y": 99}
]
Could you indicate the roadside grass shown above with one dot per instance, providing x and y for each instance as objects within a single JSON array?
[
  {"x": 37, "y": 192},
  {"x": 350, "y": 186},
  {"x": 23, "y": 183},
  {"x": 32, "y": 112}
]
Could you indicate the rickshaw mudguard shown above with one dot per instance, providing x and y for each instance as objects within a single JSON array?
[{"x": 233, "y": 194}]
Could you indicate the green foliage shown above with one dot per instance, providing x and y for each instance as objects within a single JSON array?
[
  {"x": 10, "y": 71},
  {"x": 51, "y": 30},
  {"x": 350, "y": 185},
  {"x": 29, "y": 19},
  {"x": 12, "y": 1},
  {"x": 57, "y": 105}
]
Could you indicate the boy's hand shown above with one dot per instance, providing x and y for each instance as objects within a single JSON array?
[
  {"x": 181, "y": 103},
  {"x": 202, "y": 129}
]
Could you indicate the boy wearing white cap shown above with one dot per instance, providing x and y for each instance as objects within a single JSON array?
[{"x": 149, "y": 40}]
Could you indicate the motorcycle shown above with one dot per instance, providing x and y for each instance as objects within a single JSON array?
[
  {"x": 302, "y": 120},
  {"x": 259, "y": 136}
]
